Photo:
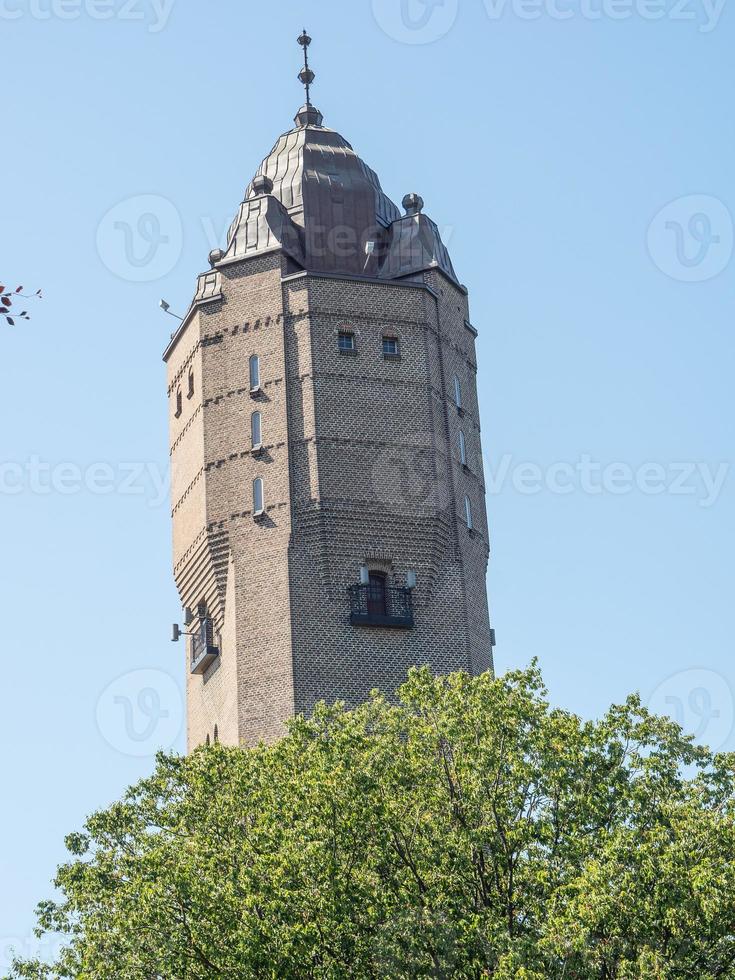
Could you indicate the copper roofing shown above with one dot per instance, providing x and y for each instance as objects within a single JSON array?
[{"x": 345, "y": 222}]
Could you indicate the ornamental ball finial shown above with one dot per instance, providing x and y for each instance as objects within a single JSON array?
[
  {"x": 413, "y": 203},
  {"x": 261, "y": 185}
]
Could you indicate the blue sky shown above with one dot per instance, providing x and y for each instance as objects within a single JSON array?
[{"x": 578, "y": 156}]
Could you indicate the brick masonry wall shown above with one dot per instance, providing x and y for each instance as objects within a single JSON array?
[
  {"x": 360, "y": 464},
  {"x": 388, "y": 489}
]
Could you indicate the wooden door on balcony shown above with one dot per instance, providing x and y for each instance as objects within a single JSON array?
[{"x": 377, "y": 604}]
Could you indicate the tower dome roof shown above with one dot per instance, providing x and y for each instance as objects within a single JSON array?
[{"x": 329, "y": 192}]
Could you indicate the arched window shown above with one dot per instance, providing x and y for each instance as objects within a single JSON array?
[
  {"x": 258, "y": 499},
  {"x": 209, "y": 742},
  {"x": 462, "y": 448},
  {"x": 256, "y": 430},
  {"x": 468, "y": 513},
  {"x": 377, "y": 597},
  {"x": 457, "y": 392},
  {"x": 254, "y": 372},
  {"x": 179, "y": 403},
  {"x": 216, "y": 735}
]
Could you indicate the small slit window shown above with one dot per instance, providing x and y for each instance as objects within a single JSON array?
[
  {"x": 179, "y": 403},
  {"x": 190, "y": 391},
  {"x": 468, "y": 513},
  {"x": 256, "y": 430},
  {"x": 391, "y": 347},
  {"x": 254, "y": 372},
  {"x": 462, "y": 448},
  {"x": 258, "y": 497},
  {"x": 346, "y": 341},
  {"x": 457, "y": 393}
]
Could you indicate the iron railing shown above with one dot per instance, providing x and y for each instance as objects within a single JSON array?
[
  {"x": 386, "y": 606},
  {"x": 203, "y": 648}
]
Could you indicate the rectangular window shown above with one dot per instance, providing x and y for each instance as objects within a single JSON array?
[
  {"x": 258, "y": 499},
  {"x": 391, "y": 347},
  {"x": 346, "y": 342},
  {"x": 462, "y": 449},
  {"x": 468, "y": 513},
  {"x": 255, "y": 373},
  {"x": 256, "y": 430}
]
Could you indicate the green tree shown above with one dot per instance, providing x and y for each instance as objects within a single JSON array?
[{"x": 470, "y": 830}]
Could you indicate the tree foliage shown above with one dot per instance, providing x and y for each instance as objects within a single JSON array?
[{"x": 470, "y": 830}]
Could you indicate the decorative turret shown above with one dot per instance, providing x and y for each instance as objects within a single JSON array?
[{"x": 333, "y": 214}]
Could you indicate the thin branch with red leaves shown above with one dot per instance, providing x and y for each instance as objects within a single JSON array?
[{"x": 8, "y": 298}]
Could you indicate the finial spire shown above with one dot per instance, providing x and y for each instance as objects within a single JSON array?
[{"x": 306, "y": 75}]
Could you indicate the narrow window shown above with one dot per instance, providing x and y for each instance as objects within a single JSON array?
[
  {"x": 179, "y": 403},
  {"x": 190, "y": 392},
  {"x": 208, "y": 740},
  {"x": 216, "y": 735},
  {"x": 391, "y": 347},
  {"x": 377, "y": 595},
  {"x": 468, "y": 513},
  {"x": 346, "y": 341},
  {"x": 258, "y": 496},
  {"x": 457, "y": 393},
  {"x": 255, "y": 430},
  {"x": 205, "y": 634},
  {"x": 254, "y": 373},
  {"x": 462, "y": 448}
]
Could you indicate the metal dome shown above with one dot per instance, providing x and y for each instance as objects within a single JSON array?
[{"x": 329, "y": 192}]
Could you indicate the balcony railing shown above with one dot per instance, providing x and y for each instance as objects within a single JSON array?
[
  {"x": 386, "y": 606},
  {"x": 203, "y": 649}
]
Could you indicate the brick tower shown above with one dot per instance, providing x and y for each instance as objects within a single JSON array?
[{"x": 329, "y": 522}]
